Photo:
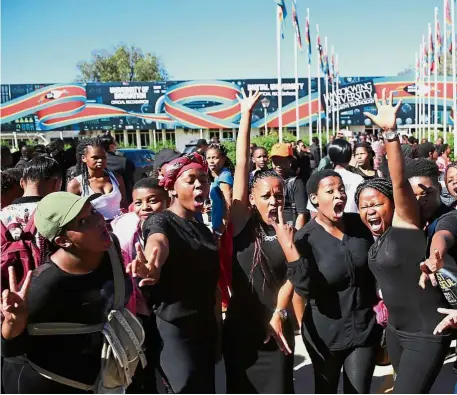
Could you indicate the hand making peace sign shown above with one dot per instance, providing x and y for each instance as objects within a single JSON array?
[
  {"x": 14, "y": 305},
  {"x": 144, "y": 268}
]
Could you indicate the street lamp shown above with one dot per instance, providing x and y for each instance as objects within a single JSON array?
[{"x": 265, "y": 104}]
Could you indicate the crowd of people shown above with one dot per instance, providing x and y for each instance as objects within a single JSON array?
[{"x": 352, "y": 244}]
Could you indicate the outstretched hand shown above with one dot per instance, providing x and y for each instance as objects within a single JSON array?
[
  {"x": 247, "y": 103},
  {"x": 429, "y": 267},
  {"x": 449, "y": 322},
  {"x": 143, "y": 267},
  {"x": 14, "y": 305},
  {"x": 387, "y": 113}
]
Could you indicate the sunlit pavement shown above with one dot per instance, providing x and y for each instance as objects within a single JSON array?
[{"x": 382, "y": 380}]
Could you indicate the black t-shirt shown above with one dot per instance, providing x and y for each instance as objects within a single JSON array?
[
  {"x": 447, "y": 277},
  {"x": 395, "y": 261},
  {"x": 58, "y": 296},
  {"x": 188, "y": 279},
  {"x": 334, "y": 276},
  {"x": 254, "y": 286},
  {"x": 295, "y": 199}
]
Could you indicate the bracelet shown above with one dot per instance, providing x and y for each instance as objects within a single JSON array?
[{"x": 282, "y": 313}]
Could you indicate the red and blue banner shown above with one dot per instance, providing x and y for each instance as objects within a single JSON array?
[{"x": 192, "y": 104}]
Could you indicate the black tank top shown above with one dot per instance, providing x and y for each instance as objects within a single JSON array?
[{"x": 394, "y": 260}]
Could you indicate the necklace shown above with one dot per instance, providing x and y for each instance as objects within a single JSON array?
[{"x": 266, "y": 237}]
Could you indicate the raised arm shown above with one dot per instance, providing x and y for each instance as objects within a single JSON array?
[
  {"x": 240, "y": 202},
  {"x": 406, "y": 207}
]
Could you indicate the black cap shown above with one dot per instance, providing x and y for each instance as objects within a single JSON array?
[
  {"x": 201, "y": 142},
  {"x": 165, "y": 156}
]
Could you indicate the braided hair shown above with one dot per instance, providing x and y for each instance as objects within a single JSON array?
[
  {"x": 223, "y": 151},
  {"x": 259, "y": 258},
  {"x": 81, "y": 167},
  {"x": 380, "y": 184}
]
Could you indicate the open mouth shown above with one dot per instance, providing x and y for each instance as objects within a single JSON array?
[
  {"x": 273, "y": 215},
  {"x": 375, "y": 224},
  {"x": 339, "y": 209},
  {"x": 199, "y": 201}
]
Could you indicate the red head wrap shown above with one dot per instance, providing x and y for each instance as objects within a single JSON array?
[{"x": 178, "y": 166}]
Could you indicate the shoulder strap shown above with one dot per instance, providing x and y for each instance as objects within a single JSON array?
[
  {"x": 112, "y": 177},
  {"x": 62, "y": 328},
  {"x": 118, "y": 276}
]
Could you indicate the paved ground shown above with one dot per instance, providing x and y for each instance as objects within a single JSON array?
[{"x": 303, "y": 375}]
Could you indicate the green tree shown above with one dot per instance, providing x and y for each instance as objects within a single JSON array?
[{"x": 124, "y": 64}]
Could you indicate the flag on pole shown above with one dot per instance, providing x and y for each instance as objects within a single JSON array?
[
  {"x": 432, "y": 52},
  {"x": 321, "y": 53},
  {"x": 449, "y": 26},
  {"x": 439, "y": 38},
  {"x": 333, "y": 71},
  {"x": 308, "y": 39},
  {"x": 425, "y": 61},
  {"x": 296, "y": 25},
  {"x": 282, "y": 14}
]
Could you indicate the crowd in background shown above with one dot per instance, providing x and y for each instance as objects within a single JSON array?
[{"x": 341, "y": 243}]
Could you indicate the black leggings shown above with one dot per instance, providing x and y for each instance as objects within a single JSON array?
[
  {"x": 358, "y": 367},
  {"x": 416, "y": 361},
  {"x": 186, "y": 361}
]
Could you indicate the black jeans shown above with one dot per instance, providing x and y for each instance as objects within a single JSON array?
[
  {"x": 358, "y": 366},
  {"x": 417, "y": 361}
]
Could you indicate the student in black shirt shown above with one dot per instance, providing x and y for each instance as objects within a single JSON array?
[
  {"x": 395, "y": 261},
  {"x": 183, "y": 263},
  {"x": 74, "y": 285},
  {"x": 295, "y": 196},
  {"x": 258, "y": 339},
  {"x": 339, "y": 327}
]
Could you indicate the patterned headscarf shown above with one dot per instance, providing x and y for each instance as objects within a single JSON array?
[{"x": 178, "y": 166}]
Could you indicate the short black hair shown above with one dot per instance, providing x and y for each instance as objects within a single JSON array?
[
  {"x": 148, "y": 183},
  {"x": 41, "y": 168},
  {"x": 442, "y": 148},
  {"x": 201, "y": 143},
  {"x": 315, "y": 140},
  {"x": 8, "y": 181},
  {"x": 40, "y": 149},
  {"x": 106, "y": 140},
  {"x": 313, "y": 183},
  {"x": 425, "y": 149},
  {"x": 299, "y": 141},
  {"x": 340, "y": 152},
  {"x": 412, "y": 139},
  {"x": 380, "y": 184},
  {"x": 421, "y": 167},
  {"x": 14, "y": 172},
  {"x": 259, "y": 148}
]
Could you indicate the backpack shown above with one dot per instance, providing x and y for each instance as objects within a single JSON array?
[
  {"x": 122, "y": 344},
  {"x": 22, "y": 254}
]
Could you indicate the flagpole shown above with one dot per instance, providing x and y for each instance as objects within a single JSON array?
[
  {"x": 333, "y": 90},
  {"x": 327, "y": 132},
  {"x": 319, "y": 120},
  {"x": 310, "y": 118},
  {"x": 416, "y": 98},
  {"x": 337, "y": 87},
  {"x": 435, "y": 71},
  {"x": 454, "y": 77},
  {"x": 422, "y": 85},
  {"x": 278, "y": 56},
  {"x": 297, "y": 115},
  {"x": 429, "y": 90},
  {"x": 445, "y": 71}
]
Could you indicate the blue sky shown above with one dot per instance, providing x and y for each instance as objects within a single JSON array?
[{"x": 42, "y": 40}]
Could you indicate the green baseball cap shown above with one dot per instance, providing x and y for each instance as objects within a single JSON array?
[{"x": 56, "y": 210}]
